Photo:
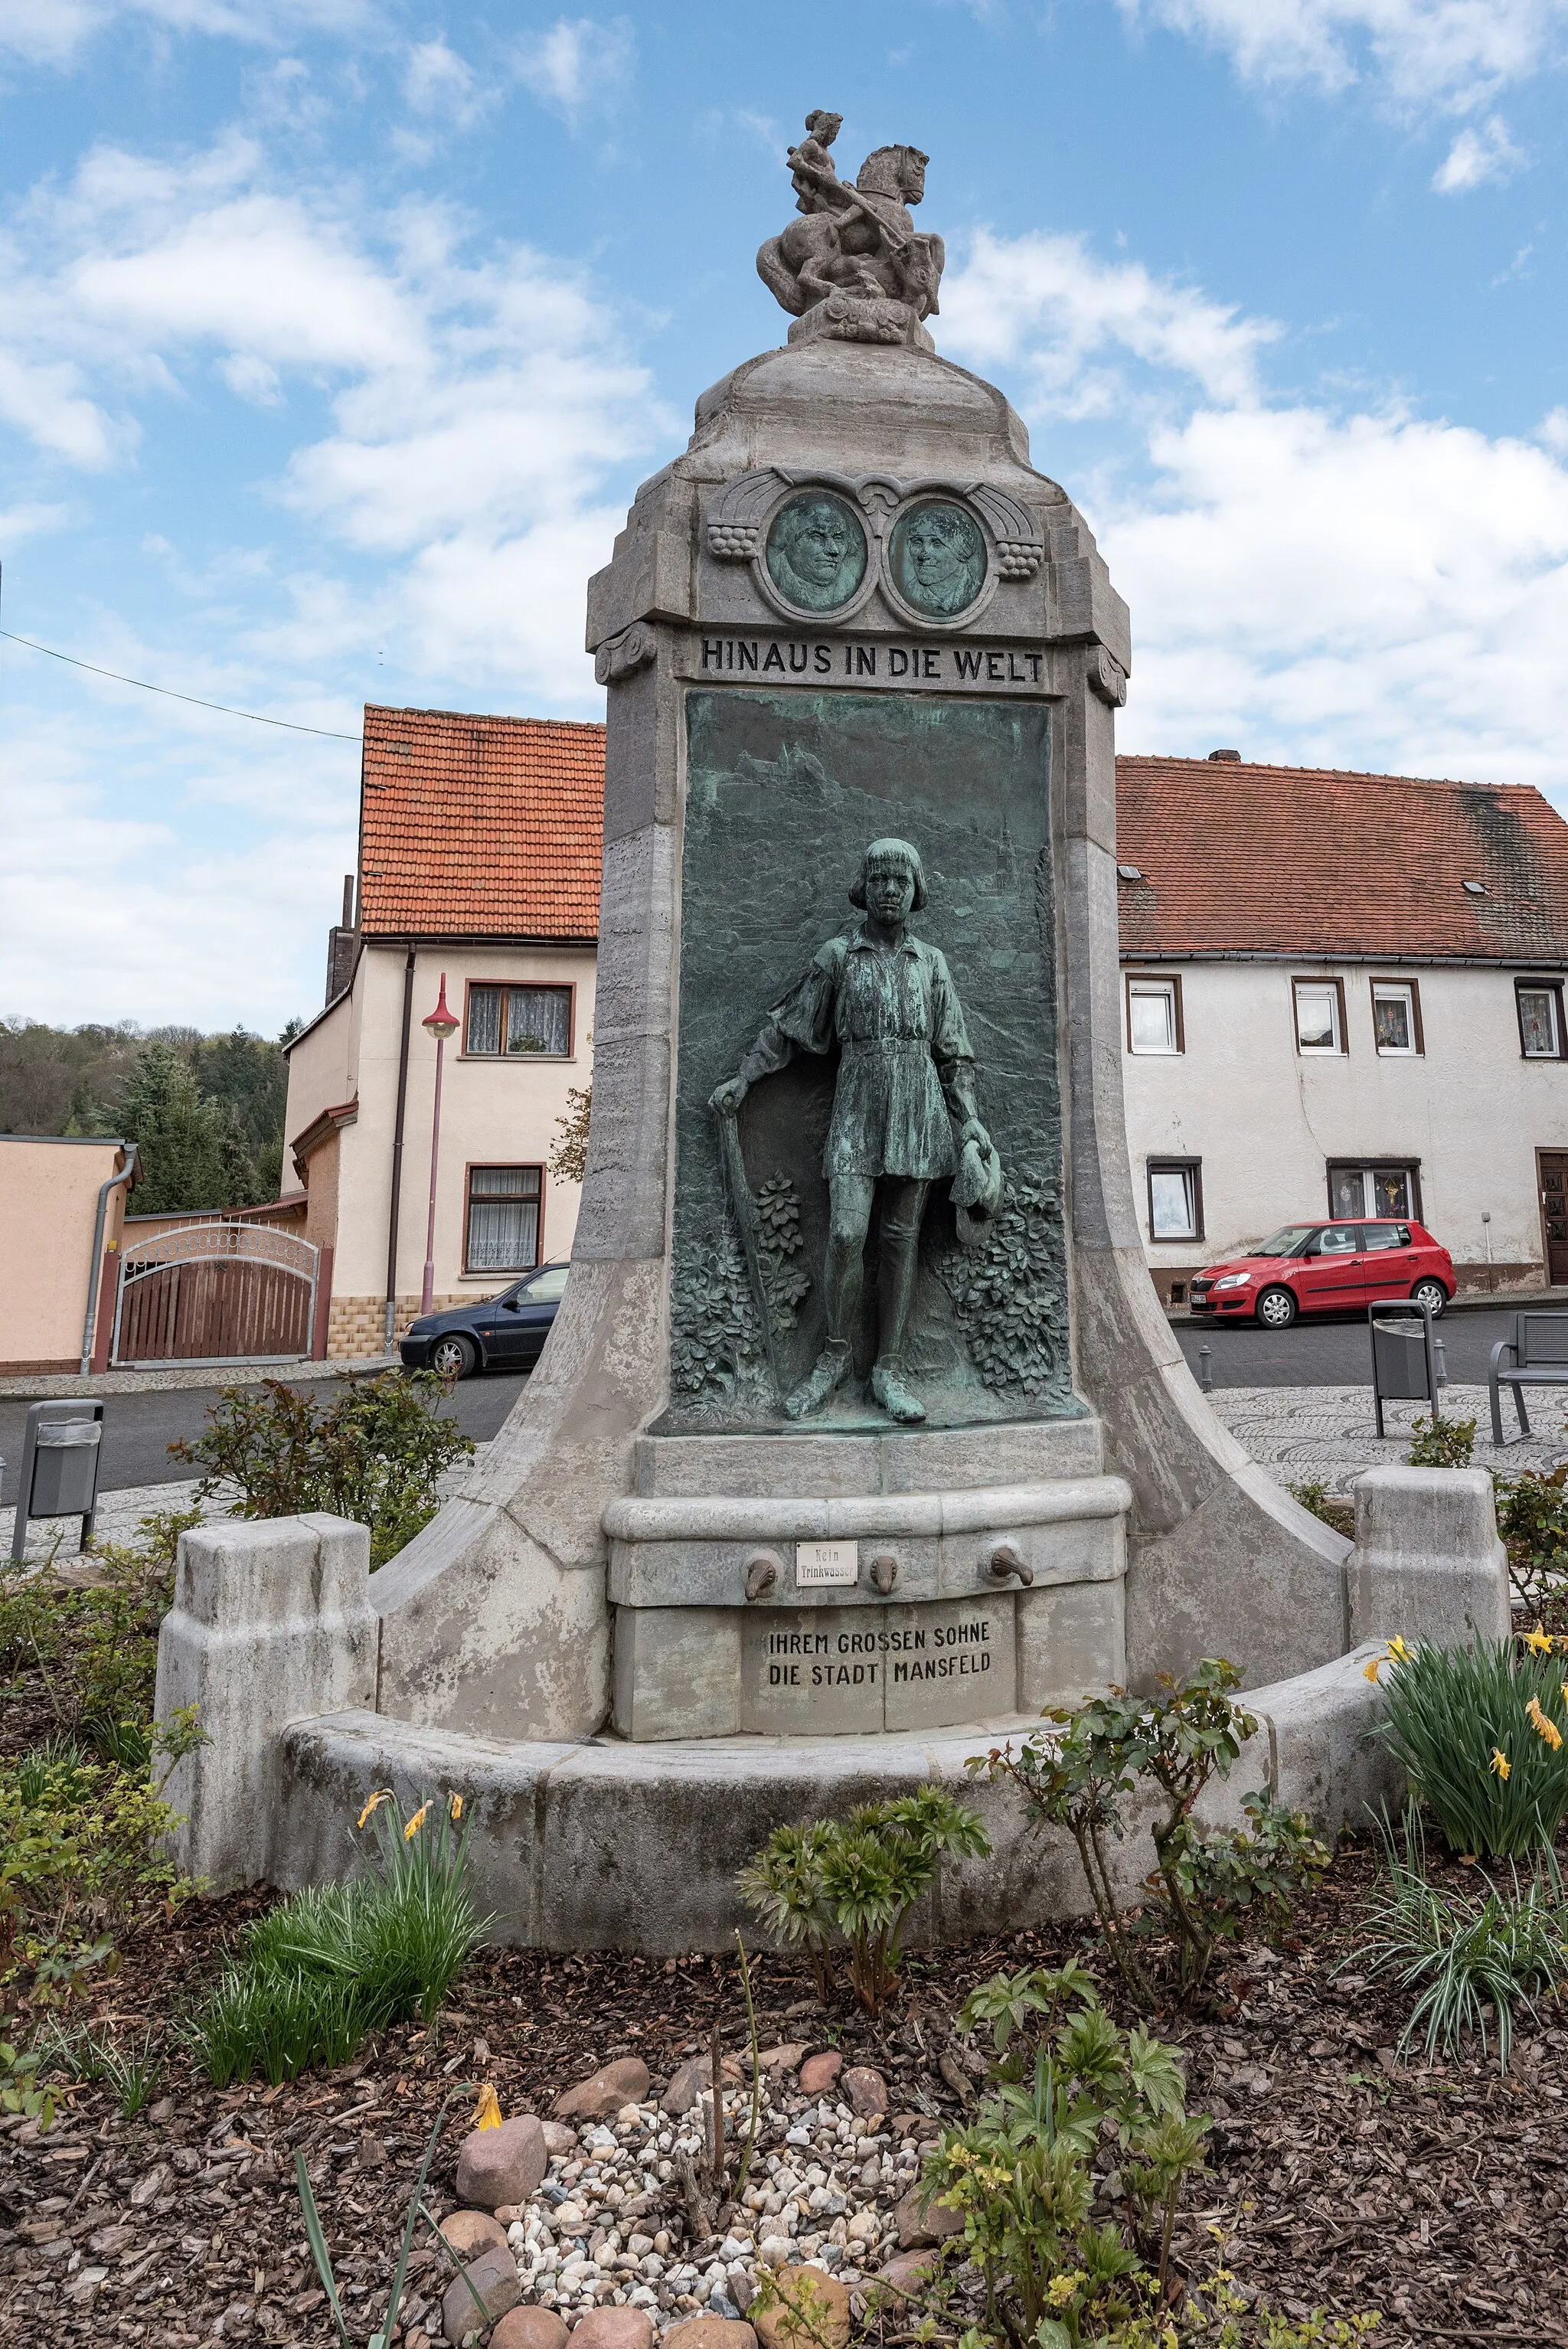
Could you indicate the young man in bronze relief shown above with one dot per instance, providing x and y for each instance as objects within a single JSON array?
[{"x": 903, "y": 1109}]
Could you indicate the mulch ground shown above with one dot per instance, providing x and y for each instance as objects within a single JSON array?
[{"x": 1338, "y": 2179}]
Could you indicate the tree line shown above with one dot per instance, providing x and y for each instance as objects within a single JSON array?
[{"x": 206, "y": 1112}]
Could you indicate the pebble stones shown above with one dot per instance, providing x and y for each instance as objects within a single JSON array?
[
  {"x": 502, "y": 2165},
  {"x": 710, "y": 2333},
  {"x": 491, "y": 2282},
  {"x": 529, "y": 2328},
  {"x": 603, "y": 2093},
  {"x": 468, "y": 2232},
  {"x": 615, "y": 2328},
  {"x": 866, "y": 2090},
  {"x": 812, "y": 2310}
]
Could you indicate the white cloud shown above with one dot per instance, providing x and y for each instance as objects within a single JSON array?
[
  {"x": 1447, "y": 55},
  {"x": 1046, "y": 302},
  {"x": 476, "y": 403},
  {"x": 1478, "y": 156},
  {"x": 439, "y": 82},
  {"x": 578, "y": 67},
  {"x": 53, "y": 32},
  {"x": 1370, "y": 589}
]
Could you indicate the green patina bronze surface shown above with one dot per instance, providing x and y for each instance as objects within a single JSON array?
[
  {"x": 785, "y": 791},
  {"x": 816, "y": 551},
  {"x": 938, "y": 558}
]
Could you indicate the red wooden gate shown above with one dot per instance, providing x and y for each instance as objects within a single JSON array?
[{"x": 216, "y": 1292}]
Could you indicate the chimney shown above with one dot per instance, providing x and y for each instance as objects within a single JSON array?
[
  {"x": 1227, "y": 754},
  {"x": 342, "y": 945}
]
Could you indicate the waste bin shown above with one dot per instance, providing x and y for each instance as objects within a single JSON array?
[
  {"x": 1404, "y": 1355},
  {"x": 59, "y": 1477}
]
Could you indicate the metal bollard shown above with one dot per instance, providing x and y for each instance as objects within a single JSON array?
[
  {"x": 1206, "y": 1369},
  {"x": 1441, "y": 1352}
]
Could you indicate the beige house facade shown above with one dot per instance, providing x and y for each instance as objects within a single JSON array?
[
  {"x": 468, "y": 824},
  {"x": 62, "y": 1214}
]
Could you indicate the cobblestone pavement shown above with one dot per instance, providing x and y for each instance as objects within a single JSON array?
[{"x": 1327, "y": 1435}]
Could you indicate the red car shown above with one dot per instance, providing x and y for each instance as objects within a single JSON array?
[{"x": 1327, "y": 1268}]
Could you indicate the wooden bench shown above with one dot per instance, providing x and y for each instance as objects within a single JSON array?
[{"x": 1535, "y": 1356}]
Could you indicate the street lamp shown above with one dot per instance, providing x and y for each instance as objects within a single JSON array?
[{"x": 441, "y": 1025}]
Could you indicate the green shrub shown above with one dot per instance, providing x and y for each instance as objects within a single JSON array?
[
  {"x": 1466, "y": 1954},
  {"x": 1480, "y": 1733},
  {"x": 328, "y": 1966},
  {"x": 1069, "y": 2090},
  {"x": 1533, "y": 1519},
  {"x": 376, "y": 1455},
  {"x": 1441, "y": 1442},
  {"x": 92, "y": 1647},
  {"x": 1079, "y": 1773},
  {"x": 79, "y": 1848},
  {"x": 859, "y": 1876}
]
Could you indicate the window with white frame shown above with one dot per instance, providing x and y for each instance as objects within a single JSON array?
[
  {"x": 1539, "y": 1022},
  {"x": 1382, "y": 1190},
  {"x": 1175, "y": 1199},
  {"x": 1319, "y": 1015},
  {"x": 1154, "y": 1014},
  {"x": 1396, "y": 1019},
  {"x": 503, "y": 1218},
  {"x": 506, "y": 1021}
]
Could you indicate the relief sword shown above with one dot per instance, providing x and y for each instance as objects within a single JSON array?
[{"x": 744, "y": 1210}]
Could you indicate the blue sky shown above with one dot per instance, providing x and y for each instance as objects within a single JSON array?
[{"x": 335, "y": 336}]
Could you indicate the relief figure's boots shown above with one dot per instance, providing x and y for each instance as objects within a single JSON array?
[
  {"x": 831, "y": 1368},
  {"x": 898, "y": 1400}
]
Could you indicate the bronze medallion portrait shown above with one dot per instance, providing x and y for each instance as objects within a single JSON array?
[
  {"x": 938, "y": 558},
  {"x": 816, "y": 551}
]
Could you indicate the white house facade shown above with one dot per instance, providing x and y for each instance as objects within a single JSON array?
[{"x": 1343, "y": 994}]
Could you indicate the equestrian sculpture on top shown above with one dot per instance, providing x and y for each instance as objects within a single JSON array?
[{"x": 854, "y": 266}]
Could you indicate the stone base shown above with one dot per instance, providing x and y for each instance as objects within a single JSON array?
[
  {"x": 848, "y": 318},
  {"x": 610, "y": 1846},
  {"x": 830, "y": 1585}
]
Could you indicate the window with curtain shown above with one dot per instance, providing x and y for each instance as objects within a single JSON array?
[
  {"x": 1175, "y": 1199},
  {"x": 503, "y": 1218},
  {"x": 1317, "y": 1021},
  {"x": 505, "y": 1023},
  {"x": 1540, "y": 1022}
]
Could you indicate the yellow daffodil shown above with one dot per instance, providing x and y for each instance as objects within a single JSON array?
[
  {"x": 487, "y": 2112},
  {"x": 382, "y": 1794},
  {"x": 415, "y": 1823},
  {"x": 1369, "y": 1669},
  {"x": 1539, "y": 1641},
  {"x": 1543, "y": 1724},
  {"x": 456, "y": 1808},
  {"x": 1398, "y": 1650},
  {"x": 1501, "y": 1767}
]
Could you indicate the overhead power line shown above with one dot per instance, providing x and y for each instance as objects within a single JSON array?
[{"x": 195, "y": 700}]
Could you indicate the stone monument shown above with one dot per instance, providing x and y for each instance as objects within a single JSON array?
[{"x": 861, "y": 1435}]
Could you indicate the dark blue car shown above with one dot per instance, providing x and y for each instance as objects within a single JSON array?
[{"x": 504, "y": 1332}]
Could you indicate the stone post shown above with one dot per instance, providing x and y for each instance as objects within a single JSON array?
[
  {"x": 1428, "y": 1564},
  {"x": 270, "y": 1622}
]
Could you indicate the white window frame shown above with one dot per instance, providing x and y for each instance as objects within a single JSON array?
[
  {"x": 1371, "y": 1210},
  {"x": 1554, "y": 1006},
  {"x": 1395, "y": 990},
  {"x": 1165, "y": 990},
  {"x": 1335, "y": 1049}
]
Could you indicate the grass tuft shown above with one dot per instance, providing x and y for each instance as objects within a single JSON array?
[
  {"x": 1468, "y": 1957},
  {"x": 1460, "y": 1723},
  {"x": 325, "y": 1968}
]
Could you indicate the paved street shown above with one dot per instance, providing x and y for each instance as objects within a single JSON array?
[
  {"x": 140, "y": 1428},
  {"x": 1334, "y": 1351}
]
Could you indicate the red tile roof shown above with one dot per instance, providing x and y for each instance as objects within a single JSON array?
[
  {"x": 480, "y": 827},
  {"x": 1310, "y": 861}
]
